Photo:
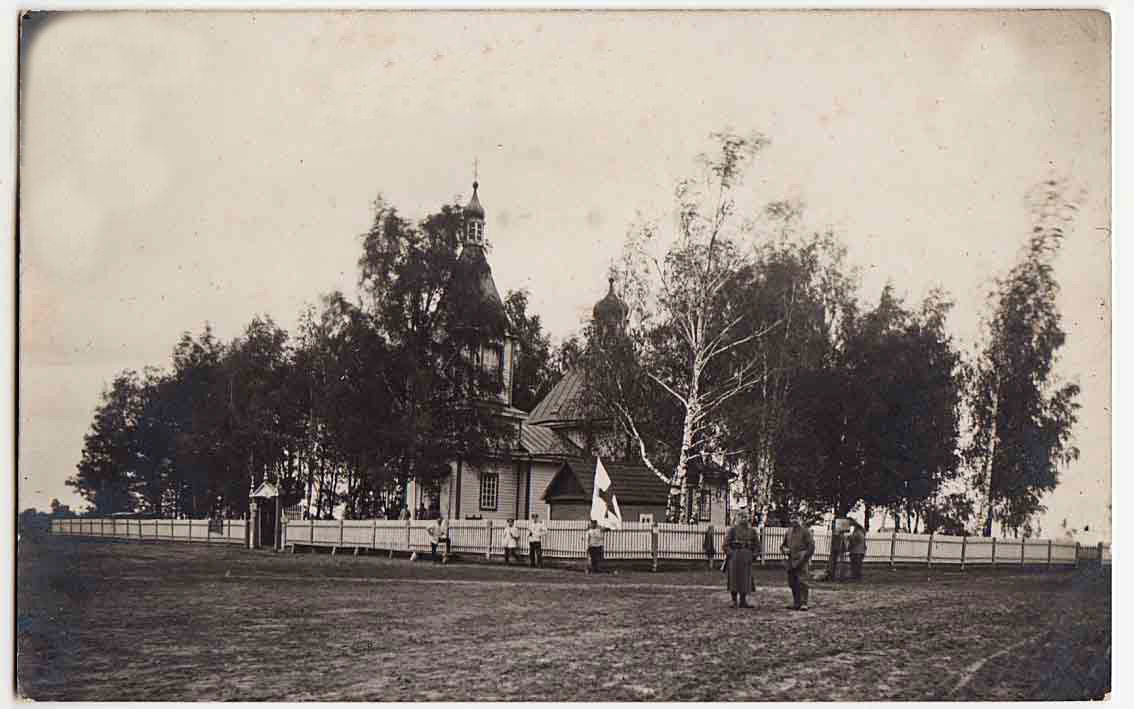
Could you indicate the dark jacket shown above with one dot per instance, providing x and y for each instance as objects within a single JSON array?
[{"x": 799, "y": 546}]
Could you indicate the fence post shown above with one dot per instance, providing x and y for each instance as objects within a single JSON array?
[
  {"x": 994, "y": 551},
  {"x": 761, "y": 546},
  {"x": 1049, "y": 554},
  {"x": 190, "y": 537},
  {"x": 413, "y": 555},
  {"x": 342, "y": 529},
  {"x": 1100, "y": 555},
  {"x": 654, "y": 544},
  {"x": 488, "y": 544},
  {"x": 374, "y": 534},
  {"x": 1023, "y": 550},
  {"x": 893, "y": 541},
  {"x": 172, "y": 529},
  {"x": 101, "y": 533},
  {"x": 1076, "y": 555},
  {"x": 964, "y": 543},
  {"x": 929, "y": 554}
]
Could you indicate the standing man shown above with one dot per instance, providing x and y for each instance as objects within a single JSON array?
[
  {"x": 537, "y": 530},
  {"x": 594, "y": 536},
  {"x": 740, "y": 540},
  {"x": 511, "y": 542},
  {"x": 439, "y": 534},
  {"x": 798, "y": 546},
  {"x": 857, "y": 550}
]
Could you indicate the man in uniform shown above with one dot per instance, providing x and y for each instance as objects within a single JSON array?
[
  {"x": 537, "y": 530},
  {"x": 740, "y": 541},
  {"x": 798, "y": 546}
]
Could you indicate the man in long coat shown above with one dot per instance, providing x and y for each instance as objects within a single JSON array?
[
  {"x": 798, "y": 547},
  {"x": 740, "y": 541}
]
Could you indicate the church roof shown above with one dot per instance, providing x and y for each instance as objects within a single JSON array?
[
  {"x": 564, "y": 403},
  {"x": 542, "y": 441},
  {"x": 474, "y": 292},
  {"x": 632, "y": 484}
]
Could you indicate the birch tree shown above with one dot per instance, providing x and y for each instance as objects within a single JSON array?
[{"x": 688, "y": 330}]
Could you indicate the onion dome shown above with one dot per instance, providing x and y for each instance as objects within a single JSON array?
[
  {"x": 474, "y": 209},
  {"x": 611, "y": 309}
]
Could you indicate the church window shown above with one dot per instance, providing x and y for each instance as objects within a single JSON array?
[{"x": 489, "y": 489}]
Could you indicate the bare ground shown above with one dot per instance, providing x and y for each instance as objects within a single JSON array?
[{"x": 101, "y": 620}]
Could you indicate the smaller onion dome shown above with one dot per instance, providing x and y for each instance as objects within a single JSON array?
[
  {"x": 611, "y": 309},
  {"x": 474, "y": 209}
]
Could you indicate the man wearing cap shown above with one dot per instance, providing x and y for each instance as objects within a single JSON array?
[
  {"x": 798, "y": 547},
  {"x": 740, "y": 541}
]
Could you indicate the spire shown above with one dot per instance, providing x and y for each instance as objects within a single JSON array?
[{"x": 474, "y": 216}]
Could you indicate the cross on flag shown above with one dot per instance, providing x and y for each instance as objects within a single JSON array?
[{"x": 604, "y": 505}]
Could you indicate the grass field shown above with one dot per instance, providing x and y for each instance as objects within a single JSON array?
[{"x": 102, "y": 620}]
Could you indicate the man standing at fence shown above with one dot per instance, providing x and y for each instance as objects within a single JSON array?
[
  {"x": 511, "y": 542},
  {"x": 594, "y": 537},
  {"x": 439, "y": 534},
  {"x": 798, "y": 547},
  {"x": 857, "y": 550},
  {"x": 537, "y": 530}
]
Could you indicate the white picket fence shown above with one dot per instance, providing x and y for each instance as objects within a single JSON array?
[
  {"x": 182, "y": 530},
  {"x": 565, "y": 540},
  {"x": 644, "y": 541}
]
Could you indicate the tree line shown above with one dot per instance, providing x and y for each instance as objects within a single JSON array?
[
  {"x": 366, "y": 396},
  {"x": 743, "y": 347}
]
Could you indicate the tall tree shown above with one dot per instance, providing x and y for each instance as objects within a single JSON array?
[
  {"x": 1022, "y": 415},
  {"x": 426, "y": 297},
  {"x": 688, "y": 328},
  {"x": 106, "y": 473},
  {"x": 801, "y": 284}
]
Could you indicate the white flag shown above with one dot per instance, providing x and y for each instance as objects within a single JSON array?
[{"x": 604, "y": 505}]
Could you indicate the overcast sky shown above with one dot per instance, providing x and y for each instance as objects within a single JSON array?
[{"x": 179, "y": 168}]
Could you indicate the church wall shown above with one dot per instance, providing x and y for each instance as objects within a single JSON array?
[
  {"x": 542, "y": 473},
  {"x": 506, "y": 493}
]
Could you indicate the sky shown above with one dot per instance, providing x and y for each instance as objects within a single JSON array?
[{"x": 178, "y": 168}]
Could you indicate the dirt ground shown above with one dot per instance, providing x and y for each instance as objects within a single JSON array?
[{"x": 102, "y": 620}]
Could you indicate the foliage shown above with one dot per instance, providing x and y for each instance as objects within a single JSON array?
[
  {"x": 682, "y": 354},
  {"x": 366, "y": 398},
  {"x": 1022, "y": 416},
  {"x": 535, "y": 371}
]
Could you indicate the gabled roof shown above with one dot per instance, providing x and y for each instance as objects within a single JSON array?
[
  {"x": 542, "y": 441},
  {"x": 631, "y": 483},
  {"x": 564, "y": 403}
]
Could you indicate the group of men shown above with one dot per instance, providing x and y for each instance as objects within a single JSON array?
[
  {"x": 742, "y": 541},
  {"x": 438, "y": 533}
]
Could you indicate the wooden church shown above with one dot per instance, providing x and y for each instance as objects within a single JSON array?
[{"x": 551, "y": 470}]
